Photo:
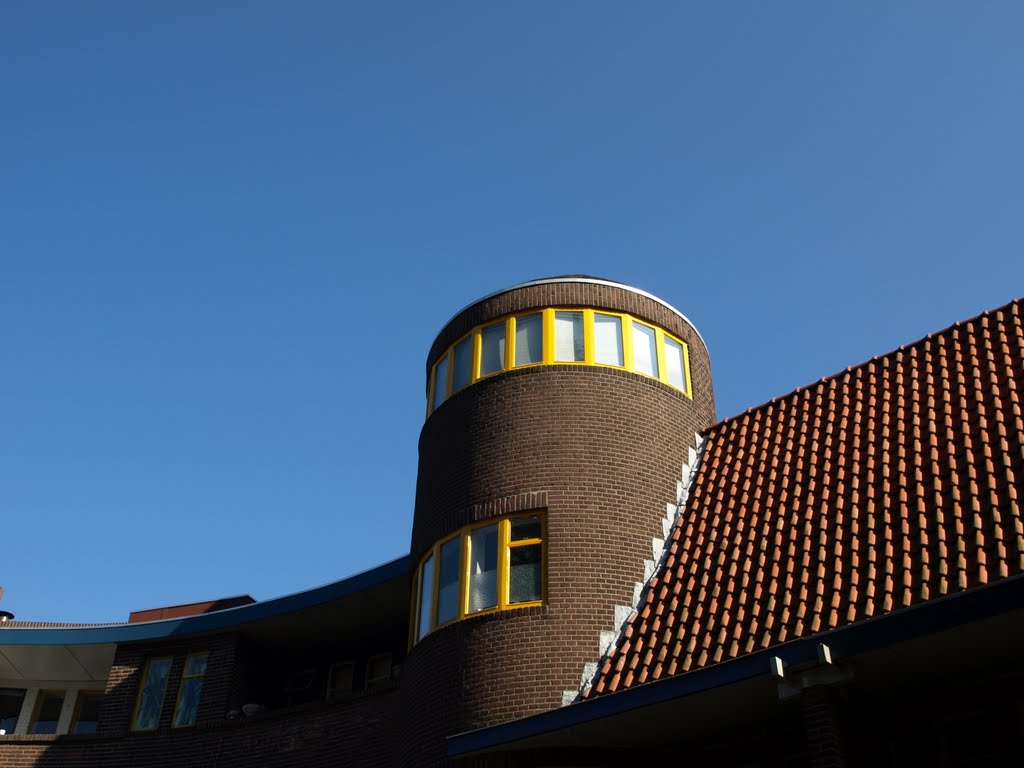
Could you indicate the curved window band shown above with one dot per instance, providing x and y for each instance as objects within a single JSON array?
[
  {"x": 490, "y": 566},
  {"x": 559, "y": 336}
]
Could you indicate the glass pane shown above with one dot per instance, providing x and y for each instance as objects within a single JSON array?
[
  {"x": 525, "y": 528},
  {"x": 529, "y": 335},
  {"x": 188, "y": 701},
  {"x": 47, "y": 712},
  {"x": 378, "y": 668},
  {"x": 11, "y": 700},
  {"x": 341, "y": 680},
  {"x": 88, "y": 715},
  {"x": 196, "y": 665},
  {"x": 426, "y": 596},
  {"x": 440, "y": 381},
  {"x": 524, "y": 582},
  {"x": 483, "y": 568},
  {"x": 492, "y": 349},
  {"x": 645, "y": 353},
  {"x": 448, "y": 581},
  {"x": 463, "y": 363},
  {"x": 152, "y": 698},
  {"x": 569, "y": 337},
  {"x": 674, "y": 364},
  {"x": 608, "y": 340}
]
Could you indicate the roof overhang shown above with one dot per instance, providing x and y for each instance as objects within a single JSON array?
[{"x": 948, "y": 636}]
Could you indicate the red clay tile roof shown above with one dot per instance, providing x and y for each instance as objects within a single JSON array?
[{"x": 881, "y": 487}]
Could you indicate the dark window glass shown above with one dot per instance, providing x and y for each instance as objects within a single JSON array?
[
  {"x": 525, "y": 528},
  {"x": 524, "y": 574},
  {"x": 151, "y": 695},
  {"x": 463, "y": 364},
  {"x": 11, "y": 700},
  {"x": 47, "y": 712},
  {"x": 87, "y": 713},
  {"x": 378, "y": 669},
  {"x": 448, "y": 581}
]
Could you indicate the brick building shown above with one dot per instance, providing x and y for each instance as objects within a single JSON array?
[{"x": 602, "y": 572}]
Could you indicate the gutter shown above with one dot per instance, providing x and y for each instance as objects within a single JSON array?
[{"x": 860, "y": 637}]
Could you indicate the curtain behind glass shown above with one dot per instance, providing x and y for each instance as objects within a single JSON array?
[
  {"x": 426, "y": 596},
  {"x": 492, "y": 349},
  {"x": 645, "y": 353},
  {"x": 483, "y": 568},
  {"x": 529, "y": 335},
  {"x": 569, "y": 337},
  {"x": 674, "y": 364},
  {"x": 608, "y": 340}
]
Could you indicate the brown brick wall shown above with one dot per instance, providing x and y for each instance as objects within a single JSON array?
[
  {"x": 599, "y": 449},
  {"x": 126, "y": 674}
]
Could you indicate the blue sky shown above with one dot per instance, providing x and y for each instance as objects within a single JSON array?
[{"x": 230, "y": 231}]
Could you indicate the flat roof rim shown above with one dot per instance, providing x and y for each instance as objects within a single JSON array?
[{"x": 590, "y": 280}]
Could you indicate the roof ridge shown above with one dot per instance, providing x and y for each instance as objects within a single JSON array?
[{"x": 851, "y": 368}]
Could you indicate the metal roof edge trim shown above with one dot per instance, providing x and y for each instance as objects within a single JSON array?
[
  {"x": 860, "y": 637},
  {"x": 208, "y": 622},
  {"x": 591, "y": 280}
]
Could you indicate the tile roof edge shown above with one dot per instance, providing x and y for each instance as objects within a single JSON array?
[
  {"x": 608, "y": 641},
  {"x": 851, "y": 368}
]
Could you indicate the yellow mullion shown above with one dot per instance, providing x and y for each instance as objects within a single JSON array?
[
  {"x": 478, "y": 346},
  {"x": 627, "y": 342},
  {"x": 588, "y": 336},
  {"x": 659, "y": 345},
  {"x": 548, "y": 345},
  {"x": 686, "y": 369},
  {"x": 435, "y": 577},
  {"x": 510, "y": 343},
  {"x": 504, "y": 527},
  {"x": 464, "y": 572}
]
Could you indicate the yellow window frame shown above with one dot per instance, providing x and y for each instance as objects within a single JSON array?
[
  {"x": 181, "y": 686},
  {"x": 142, "y": 690},
  {"x": 547, "y": 314},
  {"x": 464, "y": 535}
]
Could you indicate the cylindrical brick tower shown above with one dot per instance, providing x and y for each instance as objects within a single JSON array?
[{"x": 560, "y": 413}]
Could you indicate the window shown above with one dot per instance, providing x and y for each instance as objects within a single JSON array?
[
  {"x": 645, "y": 349},
  {"x": 569, "y": 341},
  {"x": 151, "y": 694},
  {"x": 11, "y": 700},
  {"x": 47, "y": 712},
  {"x": 485, "y": 567},
  {"x": 608, "y": 340},
  {"x": 339, "y": 680},
  {"x": 426, "y": 596},
  {"x": 463, "y": 369},
  {"x": 440, "y": 381},
  {"x": 378, "y": 670},
  {"x": 529, "y": 339},
  {"x": 492, "y": 349},
  {"x": 580, "y": 336},
  {"x": 675, "y": 364},
  {"x": 87, "y": 712},
  {"x": 192, "y": 675}
]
